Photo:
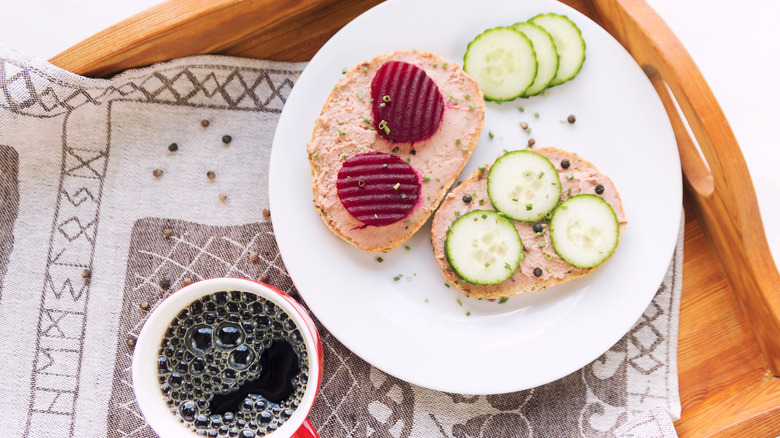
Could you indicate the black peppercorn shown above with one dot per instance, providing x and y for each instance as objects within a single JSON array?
[
  {"x": 165, "y": 284},
  {"x": 599, "y": 189},
  {"x": 204, "y": 123},
  {"x": 226, "y": 139},
  {"x": 173, "y": 147},
  {"x": 531, "y": 142},
  {"x": 571, "y": 119},
  {"x": 467, "y": 198},
  {"x": 538, "y": 272},
  {"x": 565, "y": 164},
  {"x": 538, "y": 228}
]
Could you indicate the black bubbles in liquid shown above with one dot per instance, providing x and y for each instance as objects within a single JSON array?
[{"x": 280, "y": 365}]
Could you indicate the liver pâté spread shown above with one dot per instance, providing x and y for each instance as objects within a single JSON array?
[{"x": 346, "y": 128}]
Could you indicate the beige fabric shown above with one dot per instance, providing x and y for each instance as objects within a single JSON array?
[{"x": 82, "y": 245}]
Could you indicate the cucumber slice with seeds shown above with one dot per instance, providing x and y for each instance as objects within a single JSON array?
[
  {"x": 568, "y": 42},
  {"x": 483, "y": 247},
  {"x": 584, "y": 230},
  {"x": 546, "y": 56},
  {"x": 502, "y": 61},
  {"x": 524, "y": 185}
]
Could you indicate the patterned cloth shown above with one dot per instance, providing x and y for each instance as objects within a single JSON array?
[{"x": 89, "y": 183}]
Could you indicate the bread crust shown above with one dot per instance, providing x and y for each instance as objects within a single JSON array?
[
  {"x": 536, "y": 255},
  {"x": 341, "y": 131}
]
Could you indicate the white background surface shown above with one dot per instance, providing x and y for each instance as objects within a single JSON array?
[{"x": 732, "y": 43}]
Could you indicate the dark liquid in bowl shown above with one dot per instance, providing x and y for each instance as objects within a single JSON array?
[{"x": 233, "y": 364}]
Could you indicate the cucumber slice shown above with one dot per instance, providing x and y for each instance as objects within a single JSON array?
[
  {"x": 568, "y": 42},
  {"x": 584, "y": 230},
  {"x": 502, "y": 61},
  {"x": 546, "y": 56},
  {"x": 524, "y": 185},
  {"x": 483, "y": 247}
]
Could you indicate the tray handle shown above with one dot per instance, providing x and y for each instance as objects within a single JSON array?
[{"x": 720, "y": 188}]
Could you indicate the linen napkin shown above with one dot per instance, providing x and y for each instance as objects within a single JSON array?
[{"x": 115, "y": 193}]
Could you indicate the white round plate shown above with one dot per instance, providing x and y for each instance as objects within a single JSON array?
[{"x": 416, "y": 328}]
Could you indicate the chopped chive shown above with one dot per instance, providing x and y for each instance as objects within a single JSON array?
[
  {"x": 515, "y": 200},
  {"x": 446, "y": 284},
  {"x": 344, "y": 71},
  {"x": 316, "y": 154},
  {"x": 407, "y": 248},
  {"x": 384, "y": 165},
  {"x": 548, "y": 256},
  {"x": 426, "y": 178},
  {"x": 507, "y": 266},
  {"x": 435, "y": 64},
  {"x": 481, "y": 202},
  {"x": 503, "y": 300},
  {"x": 395, "y": 149},
  {"x": 529, "y": 206},
  {"x": 382, "y": 104},
  {"x": 366, "y": 119},
  {"x": 444, "y": 65},
  {"x": 484, "y": 215},
  {"x": 536, "y": 115},
  {"x": 437, "y": 178},
  {"x": 395, "y": 187},
  {"x": 342, "y": 132},
  {"x": 380, "y": 259},
  {"x": 541, "y": 174},
  {"x": 541, "y": 244},
  {"x": 569, "y": 176},
  {"x": 522, "y": 110},
  {"x": 360, "y": 94},
  {"x": 398, "y": 277},
  {"x": 481, "y": 168},
  {"x": 471, "y": 106},
  {"x": 490, "y": 134},
  {"x": 457, "y": 213},
  {"x": 459, "y": 302},
  {"x": 487, "y": 265},
  {"x": 386, "y": 98},
  {"x": 457, "y": 142},
  {"x": 361, "y": 183},
  {"x": 407, "y": 222},
  {"x": 343, "y": 158},
  {"x": 408, "y": 160},
  {"x": 468, "y": 313},
  {"x": 383, "y": 126},
  {"x": 375, "y": 216},
  {"x": 467, "y": 96},
  {"x": 365, "y": 69}
]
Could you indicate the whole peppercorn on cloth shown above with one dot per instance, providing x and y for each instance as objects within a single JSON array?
[{"x": 115, "y": 193}]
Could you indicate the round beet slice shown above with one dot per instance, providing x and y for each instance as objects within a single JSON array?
[
  {"x": 377, "y": 188},
  {"x": 407, "y": 105}
]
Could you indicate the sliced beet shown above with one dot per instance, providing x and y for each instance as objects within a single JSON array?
[
  {"x": 407, "y": 106},
  {"x": 377, "y": 188}
]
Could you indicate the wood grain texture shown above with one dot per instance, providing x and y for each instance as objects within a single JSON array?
[{"x": 729, "y": 338}]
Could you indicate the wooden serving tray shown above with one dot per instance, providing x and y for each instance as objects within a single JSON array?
[{"x": 729, "y": 338}]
